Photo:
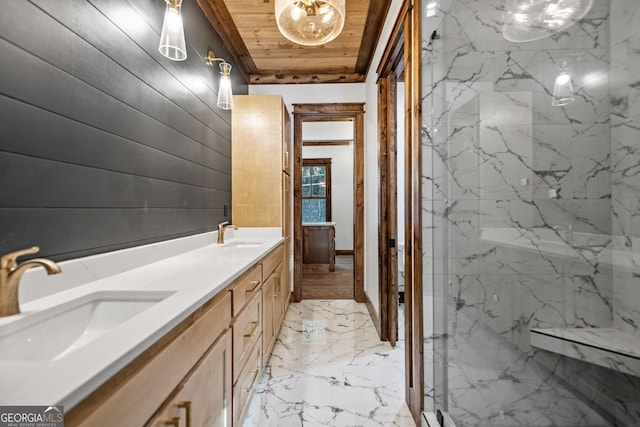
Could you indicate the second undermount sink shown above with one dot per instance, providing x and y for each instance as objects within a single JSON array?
[
  {"x": 54, "y": 332},
  {"x": 242, "y": 244}
]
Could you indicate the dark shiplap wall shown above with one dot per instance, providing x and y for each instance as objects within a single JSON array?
[{"x": 104, "y": 143}]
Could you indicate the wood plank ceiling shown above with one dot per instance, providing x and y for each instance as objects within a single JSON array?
[{"x": 248, "y": 29}]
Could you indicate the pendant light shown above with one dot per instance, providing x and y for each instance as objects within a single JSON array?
[
  {"x": 310, "y": 22},
  {"x": 562, "y": 88},
  {"x": 225, "y": 93},
  {"x": 172, "y": 44},
  {"x": 528, "y": 20}
]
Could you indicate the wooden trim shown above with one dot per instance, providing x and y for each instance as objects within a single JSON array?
[
  {"x": 378, "y": 11},
  {"x": 326, "y": 143},
  {"x": 297, "y": 208},
  {"x": 222, "y": 24},
  {"x": 358, "y": 209},
  {"x": 383, "y": 206},
  {"x": 413, "y": 56},
  {"x": 270, "y": 79},
  {"x": 312, "y": 112},
  {"x": 326, "y": 162},
  {"x": 393, "y": 52},
  {"x": 402, "y": 60},
  {"x": 345, "y": 252},
  {"x": 373, "y": 314}
]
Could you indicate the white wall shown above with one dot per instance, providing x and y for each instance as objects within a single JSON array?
[
  {"x": 313, "y": 93},
  {"x": 341, "y": 188},
  {"x": 327, "y": 131}
]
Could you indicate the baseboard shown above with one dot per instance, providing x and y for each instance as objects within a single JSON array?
[
  {"x": 344, "y": 252},
  {"x": 374, "y": 316}
]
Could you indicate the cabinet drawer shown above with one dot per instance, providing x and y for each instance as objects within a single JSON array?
[
  {"x": 246, "y": 287},
  {"x": 246, "y": 331},
  {"x": 246, "y": 385},
  {"x": 271, "y": 261}
]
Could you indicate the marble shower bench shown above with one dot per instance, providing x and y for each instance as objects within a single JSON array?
[{"x": 606, "y": 347}]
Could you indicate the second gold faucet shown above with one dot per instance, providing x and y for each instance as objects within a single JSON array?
[{"x": 221, "y": 229}]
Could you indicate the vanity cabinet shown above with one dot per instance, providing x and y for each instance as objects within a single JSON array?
[
  {"x": 177, "y": 363},
  {"x": 274, "y": 300},
  {"x": 204, "y": 371}
]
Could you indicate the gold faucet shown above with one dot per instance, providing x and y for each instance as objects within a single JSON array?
[
  {"x": 11, "y": 273},
  {"x": 221, "y": 228}
]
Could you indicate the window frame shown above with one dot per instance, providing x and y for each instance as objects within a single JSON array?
[{"x": 326, "y": 162}]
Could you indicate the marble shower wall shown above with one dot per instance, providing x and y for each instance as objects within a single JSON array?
[
  {"x": 502, "y": 166},
  {"x": 625, "y": 161}
]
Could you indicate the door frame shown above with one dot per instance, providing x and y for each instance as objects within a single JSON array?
[
  {"x": 402, "y": 55},
  {"x": 353, "y": 112}
]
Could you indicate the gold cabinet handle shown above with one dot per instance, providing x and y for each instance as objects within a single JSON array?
[
  {"x": 255, "y": 284},
  {"x": 252, "y": 331},
  {"x": 175, "y": 422},
  {"x": 187, "y": 408},
  {"x": 253, "y": 381}
]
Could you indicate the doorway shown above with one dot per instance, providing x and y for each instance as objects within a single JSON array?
[
  {"x": 400, "y": 132},
  {"x": 352, "y": 113}
]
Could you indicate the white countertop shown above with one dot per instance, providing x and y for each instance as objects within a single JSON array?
[{"x": 195, "y": 276}]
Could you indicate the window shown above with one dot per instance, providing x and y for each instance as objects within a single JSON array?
[{"x": 316, "y": 190}]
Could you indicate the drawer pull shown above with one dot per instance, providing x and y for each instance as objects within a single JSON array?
[
  {"x": 175, "y": 422},
  {"x": 252, "y": 331},
  {"x": 255, "y": 284},
  {"x": 276, "y": 277},
  {"x": 187, "y": 407},
  {"x": 253, "y": 381}
]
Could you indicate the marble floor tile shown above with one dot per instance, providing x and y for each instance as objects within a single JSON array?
[{"x": 328, "y": 368}]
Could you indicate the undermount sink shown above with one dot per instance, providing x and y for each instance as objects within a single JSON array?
[
  {"x": 242, "y": 244},
  {"x": 54, "y": 332}
]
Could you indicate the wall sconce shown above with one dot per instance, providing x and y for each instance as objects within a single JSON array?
[
  {"x": 225, "y": 94},
  {"x": 172, "y": 44},
  {"x": 562, "y": 88}
]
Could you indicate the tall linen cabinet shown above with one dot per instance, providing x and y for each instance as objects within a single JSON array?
[{"x": 261, "y": 186}]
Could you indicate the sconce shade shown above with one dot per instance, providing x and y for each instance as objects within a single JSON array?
[
  {"x": 225, "y": 94},
  {"x": 310, "y": 22},
  {"x": 172, "y": 43},
  {"x": 562, "y": 90}
]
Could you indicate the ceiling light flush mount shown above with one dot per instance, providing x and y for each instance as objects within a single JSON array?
[
  {"x": 172, "y": 44},
  {"x": 529, "y": 20},
  {"x": 310, "y": 22},
  {"x": 225, "y": 93}
]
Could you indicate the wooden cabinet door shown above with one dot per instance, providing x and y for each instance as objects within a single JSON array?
[
  {"x": 268, "y": 316},
  {"x": 204, "y": 399}
]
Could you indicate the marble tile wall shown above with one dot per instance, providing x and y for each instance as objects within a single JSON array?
[{"x": 497, "y": 155}]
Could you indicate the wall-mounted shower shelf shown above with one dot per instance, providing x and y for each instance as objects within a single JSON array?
[{"x": 606, "y": 347}]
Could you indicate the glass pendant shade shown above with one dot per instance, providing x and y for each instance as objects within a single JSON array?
[
  {"x": 172, "y": 44},
  {"x": 225, "y": 94},
  {"x": 310, "y": 22},
  {"x": 528, "y": 20},
  {"x": 562, "y": 90}
]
